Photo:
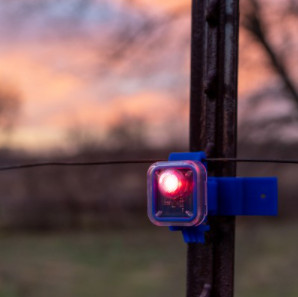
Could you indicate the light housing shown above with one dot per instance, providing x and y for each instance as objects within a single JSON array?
[{"x": 177, "y": 193}]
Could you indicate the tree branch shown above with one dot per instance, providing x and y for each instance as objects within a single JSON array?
[{"x": 254, "y": 24}]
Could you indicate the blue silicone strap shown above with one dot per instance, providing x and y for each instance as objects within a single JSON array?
[{"x": 231, "y": 196}]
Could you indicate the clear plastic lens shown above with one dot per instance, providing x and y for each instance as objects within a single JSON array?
[{"x": 177, "y": 193}]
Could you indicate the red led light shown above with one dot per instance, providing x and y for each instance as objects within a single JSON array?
[
  {"x": 177, "y": 193},
  {"x": 172, "y": 183}
]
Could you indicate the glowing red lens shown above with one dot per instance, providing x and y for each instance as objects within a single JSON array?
[{"x": 172, "y": 183}]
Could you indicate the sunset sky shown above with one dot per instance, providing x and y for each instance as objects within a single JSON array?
[{"x": 90, "y": 65}]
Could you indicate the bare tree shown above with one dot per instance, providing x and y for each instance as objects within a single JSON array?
[
  {"x": 254, "y": 22},
  {"x": 10, "y": 102},
  {"x": 128, "y": 134}
]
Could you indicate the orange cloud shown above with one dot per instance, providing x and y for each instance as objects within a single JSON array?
[{"x": 164, "y": 5}]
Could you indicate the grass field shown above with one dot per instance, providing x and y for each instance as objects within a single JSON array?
[
  {"x": 267, "y": 259},
  {"x": 142, "y": 263}
]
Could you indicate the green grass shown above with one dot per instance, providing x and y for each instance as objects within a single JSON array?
[
  {"x": 266, "y": 259},
  {"x": 141, "y": 263},
  {"x": 125, "y": 263}
]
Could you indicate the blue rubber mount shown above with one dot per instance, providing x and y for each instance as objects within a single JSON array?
[
  {"x": 242, "y": 196},
  {"x": 231, "y": 196},
  {"x": 192, "y": 156},
  {"x": 193, "y": 234}
]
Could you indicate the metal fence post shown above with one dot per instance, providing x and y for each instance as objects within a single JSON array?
[{"x": 213, "y": 128}]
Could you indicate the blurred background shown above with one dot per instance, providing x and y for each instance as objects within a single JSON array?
[{"x": 86, "y": 80}]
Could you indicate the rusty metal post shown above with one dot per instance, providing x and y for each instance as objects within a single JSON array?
[{"x": 213, "y": 128}]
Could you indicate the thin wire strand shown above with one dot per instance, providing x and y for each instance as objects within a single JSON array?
[
  {"x": 240, "y": 160},
  {"x": 146, "y": 161},
  {"x": 46, "y": 164}
]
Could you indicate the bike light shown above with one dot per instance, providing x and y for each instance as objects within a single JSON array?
[
  {"x": 173, "y": 183},
  {"x": 177, "y": 193}
]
